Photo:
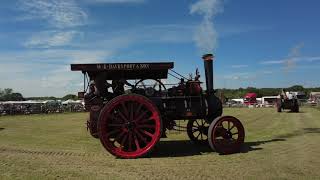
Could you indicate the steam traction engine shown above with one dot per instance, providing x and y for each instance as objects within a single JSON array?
[
  {"x": 287, "y": 100},
  {"x": 130, "y": 119}
]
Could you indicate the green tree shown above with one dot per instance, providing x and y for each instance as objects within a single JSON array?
[
  {"x": 70, "y": 96},
  {"x": 8, "y": 95},
  {"x": 296, "y": 88}
]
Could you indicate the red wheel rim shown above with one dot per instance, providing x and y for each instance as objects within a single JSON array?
[
  {"x": 130, "y": 126},
  {"x": 228, "y": 135}
]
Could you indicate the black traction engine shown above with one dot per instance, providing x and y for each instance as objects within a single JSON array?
[{"x": 131, "y": 108}]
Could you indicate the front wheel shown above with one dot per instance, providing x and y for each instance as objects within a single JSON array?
[{"x": 226, "y": 135}]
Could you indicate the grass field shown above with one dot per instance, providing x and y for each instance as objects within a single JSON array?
[{"x": 278, "y": 146}]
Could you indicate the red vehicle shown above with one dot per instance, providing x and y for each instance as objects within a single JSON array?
[{"x": 250, "y": 99}]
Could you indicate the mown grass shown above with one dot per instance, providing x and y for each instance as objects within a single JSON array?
[{"x": 278, "y": 146}]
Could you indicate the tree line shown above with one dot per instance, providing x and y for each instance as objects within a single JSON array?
[{"x": 8, "y": 94}]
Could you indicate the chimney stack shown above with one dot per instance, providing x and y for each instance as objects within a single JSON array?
[{"x": 208, "y": 67}]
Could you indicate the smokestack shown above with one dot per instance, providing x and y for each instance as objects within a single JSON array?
[{"x": 208, "y": 67}]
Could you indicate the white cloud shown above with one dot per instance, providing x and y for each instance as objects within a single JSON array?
[
  {"x": 295, "y": 60},
  {"x": 313, "y": 59},
  {"x": 238, "y": 76},
  {"x": 49, "y": 39},
  {"x": 45, "y": 72},
  {"x": 290, "y": 62},
  {"x": 267, "y": 72},
  {"x": 115, "y": 1},
  {"x": 270, "y": 62},
  {"x": 123, "y": 38},
  {"x": 58, "y": 13},
  {"x": 240, "y": 66}
]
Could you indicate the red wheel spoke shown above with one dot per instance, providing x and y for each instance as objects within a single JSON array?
[
  {"x": 235, "y": 133},
  {"x": 140, "y": 136},
  {"x": 147, "y": 133},
  {"x": 130, "y": 141},
  {"x": 112, "y": 117},
  {"x": 125, "y": 109},
  {"x": 138, "y": 110},
  {"x": 231, "y": 127},
  {"x": 140, "y": 116},
  {"x": 114, "y": 125},
  {"x": 146, "y": 126},
  {"x": 117, "y": 139},
  {"x": 123, "y": 141},
  {"x": 131, "y": 111},
  {"x": 112, "y": 132},
  {"x": 146, "y": 120},
  {"x": 136, "y": 142},
  {"x": 122, "y": 116}
]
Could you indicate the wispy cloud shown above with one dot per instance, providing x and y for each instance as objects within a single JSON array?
[
  {"x": 240, "y": 66},
  {"x": 58, "y": 13},
  {"x": 290, "y": 62},
  {"x": 239, "y": 76},
  {"x": 45, "y": 72},
  {"x": 115, "y": 1},
  {"x": 266, "y": 72},
  {"x": 296, "y": 59},
  {"x": 270, "y": 62},
  {"x": 145, "y": 34},
  {"x": 48, "y": 39},
  {"x": 205, "y": 34}
]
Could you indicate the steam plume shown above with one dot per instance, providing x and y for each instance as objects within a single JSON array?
[
  {"x": 290, "y": 63},
  {"x": 206, "y": 36}
]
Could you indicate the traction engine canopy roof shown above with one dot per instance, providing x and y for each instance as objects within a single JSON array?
[{"x": 113, "y": 71}]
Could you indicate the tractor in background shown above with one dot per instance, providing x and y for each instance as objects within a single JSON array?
[{"x": 287, "y": 100}]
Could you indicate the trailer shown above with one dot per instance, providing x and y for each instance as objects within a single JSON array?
[{"x": 131, "y": 108}]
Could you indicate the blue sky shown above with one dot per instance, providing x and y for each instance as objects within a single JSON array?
[{"x": 267, "y": 43}]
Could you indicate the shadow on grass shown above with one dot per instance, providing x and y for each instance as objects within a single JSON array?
[
  {"x": 300, "y": 112},
  {"x": 182, "y": 148},
  {"x": 178, "y": 148},
  {"x": 300, "y": 132},
  {"x": 251, "y": 146},
  {"x": 1, "y": 129}
]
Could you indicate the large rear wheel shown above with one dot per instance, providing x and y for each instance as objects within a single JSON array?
[
  {"x": 226, "y": 135},
  {"x": 129, "y": 126}
]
